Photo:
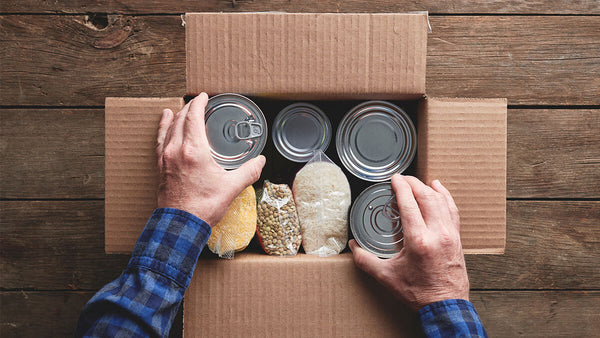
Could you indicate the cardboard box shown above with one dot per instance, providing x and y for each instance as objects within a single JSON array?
[{"x": 462, "y": 142}]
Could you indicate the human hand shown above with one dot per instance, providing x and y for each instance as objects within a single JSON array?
[
  {"x": 431, "y": 265},
  {"x": 190, "y": 179}
]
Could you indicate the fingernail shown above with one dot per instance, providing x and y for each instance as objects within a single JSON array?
[{"x": 437, "y": 183}]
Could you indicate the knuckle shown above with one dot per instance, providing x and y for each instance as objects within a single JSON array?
[
  {"x": 254, "y": 174},
  {"x": 169, "y": 154},
  {"x": 189, "y": 152}
]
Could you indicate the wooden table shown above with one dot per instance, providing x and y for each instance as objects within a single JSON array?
[{"x": 59, "y": 63}]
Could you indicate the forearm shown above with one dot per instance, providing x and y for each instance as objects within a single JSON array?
[
  {"x": 144, "y": 299},
  {"x": 451, "y": 318}
]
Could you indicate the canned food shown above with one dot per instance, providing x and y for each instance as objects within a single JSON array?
[
  {"x": 299, "y": 130},
  {"x": 236, "y": 129},
  {"x": 375, "y": 221},
  {"x": 375, "y": 140}
]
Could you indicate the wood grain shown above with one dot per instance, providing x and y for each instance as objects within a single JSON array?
[
  {"x": 553, "y": 153},
  {"x": 437, "y": 7},
  {"x": 59, "y": 153},
  {"x": 51, "y": 60},
  {"x": 549, "y": 245},
  {"x": 538, "y": 314},
  {"x": 55, "y": 60},
  {"x": 49, "y": 153},
  {"x": 56, "y": 245},
  {"x": 50, "y": 313}
]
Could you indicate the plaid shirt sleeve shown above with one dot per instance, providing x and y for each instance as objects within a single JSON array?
[
  {"x": 144, "y": 300},
  {"x": 451, "y": 318}
]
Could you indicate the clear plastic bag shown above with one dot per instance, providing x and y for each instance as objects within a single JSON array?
[
  {"x": 235, "y": 230},
  {"x": 322, "y": 196},
  {"x": 277, "y": 221}
]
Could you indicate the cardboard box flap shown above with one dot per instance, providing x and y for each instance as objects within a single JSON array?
[
  {"x": 130, "y": 167},
  {"x": 462, "y": 142},
  {"x": 305, "y": 296},
  {"x": 307, "y": 56}
]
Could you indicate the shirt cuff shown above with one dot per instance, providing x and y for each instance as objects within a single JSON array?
[
  {"x": 452, "y": 317},
  {"x": 171, "y": 244}
]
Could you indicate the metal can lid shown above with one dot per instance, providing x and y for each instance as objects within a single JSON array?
[
  {"x": 375, "y": 221},
  {"x": 236, "y": 129},
  {"x": 375, "y": 140},
  {"x": 299, "y": 130}
]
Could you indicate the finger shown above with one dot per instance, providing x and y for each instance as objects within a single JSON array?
[
  {"x": 194, "y": 130},
  {"x": 431, "y": 203},
  {"x": 366, "y": 261},
  {"x": 163, "y": 127},
  {"x": 248, "y": 173},
  {"x": 439, "y": 187},
  {"x": 175, "y": 133},
  {"x": 412, "y": 221}
]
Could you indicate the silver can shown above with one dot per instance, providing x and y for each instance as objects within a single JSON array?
[
  {"x": 236, "y": 129},
  {"x": 375, "y": 221},
  {"x": 375, "y": 140},
  {"x": 299, "y": 130}
]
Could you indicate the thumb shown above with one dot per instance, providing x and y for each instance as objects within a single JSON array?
[
  {"x": 367, "y": 261},
  {"x": 248, "y": 173}
]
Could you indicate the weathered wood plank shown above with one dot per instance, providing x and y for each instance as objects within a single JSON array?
[
  {"x": 539, "y": 313},
  {"x": 58, "y": 60},
  {"x": 55, "y": 245},
  {"x": 52, "y": 153},
  {"x": 529, "y": 60},
  {"x": 553, "y": 153},
  {"x": 438, "y": 7},
  {"x": 549, "y": 245},
  {"x": 51, "y": 60},
  {"x": 59, "y": 153},
  {"x": 504, "y": 313},
  {"x": 49, "y": 313},
  {"x": 59, "y": 245}
]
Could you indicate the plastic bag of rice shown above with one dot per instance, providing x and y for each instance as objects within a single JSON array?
[{"x": 322, "y": 196}]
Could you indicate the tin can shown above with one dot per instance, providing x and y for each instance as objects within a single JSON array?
[
  {"x": 375, "y": 140},
  {"x": 299, "y": 130},
  {"x": 236, "y": 129},
  {"x": 375, "y": 221}
]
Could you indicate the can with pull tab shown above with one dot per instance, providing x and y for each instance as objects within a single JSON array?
[{"x": 236, "y": 129}]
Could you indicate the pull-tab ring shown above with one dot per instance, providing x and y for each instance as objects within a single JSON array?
[
  {"x": 390, "y": 209},
  {"x": 254, "y": 130}
]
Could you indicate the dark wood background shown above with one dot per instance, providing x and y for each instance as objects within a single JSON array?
[{"x": 60, "y": 59}]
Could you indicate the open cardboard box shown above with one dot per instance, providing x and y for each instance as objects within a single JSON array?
[{"x": 273, "y": 57}]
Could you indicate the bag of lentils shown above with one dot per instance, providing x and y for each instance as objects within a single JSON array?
[
  {"x": 322, "y": 196},
  {"x": 277, "y": 221}
]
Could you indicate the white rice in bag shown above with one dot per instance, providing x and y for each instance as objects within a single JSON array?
[{"x": 322, "y": 196}]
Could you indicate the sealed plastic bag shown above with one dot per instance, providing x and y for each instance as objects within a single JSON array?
[
  {"x": 277, "y": 225},
  {"x": 236, "y": 229},
  {"x": 322, "y": 195}
]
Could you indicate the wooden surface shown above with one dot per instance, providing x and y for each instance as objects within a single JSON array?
[{"x": 59, "y": 60}]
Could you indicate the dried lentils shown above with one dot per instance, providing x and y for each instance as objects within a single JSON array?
[{"x": 277, "y": 221}]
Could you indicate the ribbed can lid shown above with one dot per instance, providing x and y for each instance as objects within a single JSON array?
[
  {"x": 236, "y": 129},
  {"x": 299, "y": 130},
  {"x": 375, "y": 140},
  {"x": 375, "y": 221}
]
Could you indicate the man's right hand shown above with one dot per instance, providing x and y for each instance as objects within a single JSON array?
[
  {"x": 431, "y": 265},
  {"x": 190, "y": 179}
]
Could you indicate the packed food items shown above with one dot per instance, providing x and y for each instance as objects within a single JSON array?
[
  {"x": 277, "y": 226},
  {"x": 236, "y": 229},
  {"x": 322, "y": 196}
]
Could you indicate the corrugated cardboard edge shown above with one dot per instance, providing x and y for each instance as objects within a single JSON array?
[
  {"x": 131, "y": 125},
  {"x": 462, "y": 142},
  {"x": 307, "y": 55},
  {"x": 257, "y": 295}
]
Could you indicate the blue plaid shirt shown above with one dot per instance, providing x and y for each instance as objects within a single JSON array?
[{"x": 143, "y": 301}]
